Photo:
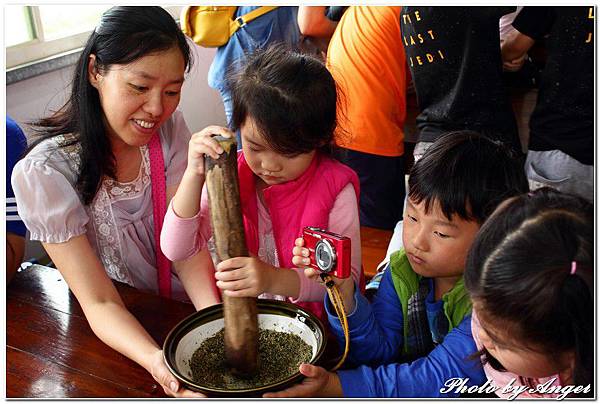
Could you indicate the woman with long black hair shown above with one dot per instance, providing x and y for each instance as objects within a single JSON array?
[{"x": 92, "y": 187}]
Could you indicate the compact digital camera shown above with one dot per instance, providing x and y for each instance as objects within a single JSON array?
[{"x": 329, "y": 252}]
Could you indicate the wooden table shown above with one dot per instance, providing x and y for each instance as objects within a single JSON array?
[
  {"x": 374, "y": 243},
  {"x": 51, "y": 351}
]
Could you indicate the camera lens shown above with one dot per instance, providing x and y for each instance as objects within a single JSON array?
[{"x": 325, "y": 255}]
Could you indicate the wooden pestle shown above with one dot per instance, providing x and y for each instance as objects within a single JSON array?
[{"x": 240, "y": 313}]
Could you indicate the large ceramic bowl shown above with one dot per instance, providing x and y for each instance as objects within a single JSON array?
[{"x": 187, "y": 336}]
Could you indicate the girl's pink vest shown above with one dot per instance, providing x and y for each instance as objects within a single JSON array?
[{"x": 306, "y": 201}]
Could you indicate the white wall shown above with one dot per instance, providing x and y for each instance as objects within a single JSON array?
[
  {"x": 201, "y": 105},
  {"x": 38, "y": 96}
]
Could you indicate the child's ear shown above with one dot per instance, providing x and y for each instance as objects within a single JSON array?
[{"x": 92, "y": 70}]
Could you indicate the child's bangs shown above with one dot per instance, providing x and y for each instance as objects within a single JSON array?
[{"x": 439, "y": 192}]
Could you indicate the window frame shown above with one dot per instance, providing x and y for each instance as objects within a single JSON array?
[{"x": 38, "y": 49}]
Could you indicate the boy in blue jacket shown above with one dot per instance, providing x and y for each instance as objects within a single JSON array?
[{"x": 416, "y": 335}]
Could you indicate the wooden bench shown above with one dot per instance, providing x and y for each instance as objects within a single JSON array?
[{"x": 374, "y": 243}]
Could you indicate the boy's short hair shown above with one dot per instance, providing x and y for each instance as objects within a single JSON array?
[{"x": 468, "y": 174}]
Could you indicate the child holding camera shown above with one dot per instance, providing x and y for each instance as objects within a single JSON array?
[
  {"x": 284, "y": 104},
  {"x": 422, "y": 310}
]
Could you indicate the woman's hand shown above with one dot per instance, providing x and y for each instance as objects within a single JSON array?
[
  {"x": 514, "y": 65},
  {"x": 203, "y": 143},
  {"x": 244, "y": 276},
  {"x": 318, "y": 383},
  {"x": 160, "y": 372}
]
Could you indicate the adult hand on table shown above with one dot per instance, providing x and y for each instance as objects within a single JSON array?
[{"x": 168, "y": 382}]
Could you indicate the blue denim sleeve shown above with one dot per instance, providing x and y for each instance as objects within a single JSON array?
[
  {"x": 425, "y": 377},
  {"x": 376, "y": 330},
  {"x": 16, "y": 144}
]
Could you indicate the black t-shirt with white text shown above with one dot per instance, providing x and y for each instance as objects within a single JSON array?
[
  {"x": 454, "y": 57},
  {"x": 563, "y": 118}
]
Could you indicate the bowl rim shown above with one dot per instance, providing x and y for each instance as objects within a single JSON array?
[{"x": 215, "y": 312}]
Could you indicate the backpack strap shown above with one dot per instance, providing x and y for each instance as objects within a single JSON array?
[
  {"x": 159, "y": 207},
  {"x": 246, "y": 18}
]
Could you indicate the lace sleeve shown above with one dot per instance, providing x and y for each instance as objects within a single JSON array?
[{"x": 47, "y": 202}]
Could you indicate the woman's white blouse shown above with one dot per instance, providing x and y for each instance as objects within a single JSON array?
[{"x": 119, "y": 222}]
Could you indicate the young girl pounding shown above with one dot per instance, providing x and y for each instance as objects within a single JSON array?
[
  {"x": 284, "y": 105},
  {"x": 530, "y": 276}
]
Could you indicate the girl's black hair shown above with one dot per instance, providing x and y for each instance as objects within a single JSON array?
[
  {"x": 292, "y": 98},
  {"x": 518, "y": 273},
  {"x": 123, "y": 35},
  {"x": 468, "y": 174}
]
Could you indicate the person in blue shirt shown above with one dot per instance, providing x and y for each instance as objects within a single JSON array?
[
  {"x": 15, "y": 228},
  {"x": 278, "y": 25},
  {"x": 416, "y": 335}
]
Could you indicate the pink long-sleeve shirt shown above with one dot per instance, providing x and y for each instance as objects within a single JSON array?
[{"x": 182, "y": 238}]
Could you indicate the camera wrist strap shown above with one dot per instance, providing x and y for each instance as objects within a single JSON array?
[{"x": 338, "y": 304}]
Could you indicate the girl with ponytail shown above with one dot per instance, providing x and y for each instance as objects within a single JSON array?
[{"x": 530, "y": 277}]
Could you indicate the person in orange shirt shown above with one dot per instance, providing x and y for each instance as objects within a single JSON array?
[{"x": 366, "y": 58}]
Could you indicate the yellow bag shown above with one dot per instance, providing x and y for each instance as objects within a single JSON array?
[{"x": 212, "y": 26}]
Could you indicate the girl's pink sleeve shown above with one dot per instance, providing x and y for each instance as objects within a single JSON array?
[
  {"x": 182, "y": 238},
  {"x": 343, "y": 220}
]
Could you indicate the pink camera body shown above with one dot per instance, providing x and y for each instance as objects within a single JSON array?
[{"x": 329, "y": 252}]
